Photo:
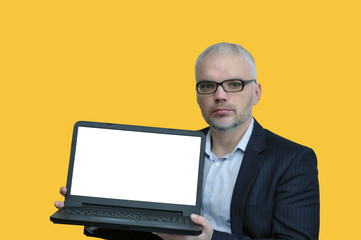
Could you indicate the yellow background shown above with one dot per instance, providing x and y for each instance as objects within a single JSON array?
[{"x": 133, "y": 63}]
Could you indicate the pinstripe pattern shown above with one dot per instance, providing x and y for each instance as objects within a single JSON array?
[{"x": 276, "y": 195}]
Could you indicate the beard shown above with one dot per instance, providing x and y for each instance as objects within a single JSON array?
[
  {"x": 221, "y": 125},
  {"x": 226, "y": 126}
]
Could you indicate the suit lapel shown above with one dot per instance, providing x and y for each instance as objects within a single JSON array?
[{"x": 251, "y": 164}]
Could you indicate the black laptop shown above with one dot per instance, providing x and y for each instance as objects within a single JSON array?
[{"x": 134, "y": 177}]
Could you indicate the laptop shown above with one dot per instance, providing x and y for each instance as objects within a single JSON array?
[{"x": 134, "y": 178}]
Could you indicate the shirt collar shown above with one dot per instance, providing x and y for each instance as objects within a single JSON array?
[{"x": 242, "y": 144}]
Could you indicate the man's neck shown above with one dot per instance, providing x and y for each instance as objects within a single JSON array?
[{"x": 223, "y": 143}]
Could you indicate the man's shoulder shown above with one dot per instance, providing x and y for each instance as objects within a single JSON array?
[
  {"x": 274, "y": 140},
  {"x": 271, "y": 140},
  {"x": 280, "y": 151},
  {"x": 274, "y": 137}
]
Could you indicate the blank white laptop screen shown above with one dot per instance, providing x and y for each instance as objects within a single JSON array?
[{"x": 141, "y": 166}]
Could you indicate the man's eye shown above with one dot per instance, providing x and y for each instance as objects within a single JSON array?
[
  {"x": 234, "y": 84},
  {"x": 207, "y": 86}
]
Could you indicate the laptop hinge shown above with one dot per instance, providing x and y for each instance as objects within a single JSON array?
[{"x": 73, "y": 204}]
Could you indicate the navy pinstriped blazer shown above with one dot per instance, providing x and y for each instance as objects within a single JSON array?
[{"x": 276, "y": 195}]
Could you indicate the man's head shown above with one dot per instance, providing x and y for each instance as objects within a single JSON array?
[
  {"x": 228, "y": 49},
  {"x": 229, "y": 105}
]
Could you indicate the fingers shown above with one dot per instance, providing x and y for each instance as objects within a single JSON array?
[
  {"x": 59, "y": 204},
  {"x": 207, "y": 227},
  {"x": 63, "y": 191},
  {"x": 206, "y": 233},
  {"x": 201, "y": 221}
]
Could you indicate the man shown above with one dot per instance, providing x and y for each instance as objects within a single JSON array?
[{"x": 257, "y": 185}]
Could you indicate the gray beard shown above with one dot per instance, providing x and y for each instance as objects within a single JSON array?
[
  {"x": 235, "y": 123},
  {"x": 226, "y": 127}
]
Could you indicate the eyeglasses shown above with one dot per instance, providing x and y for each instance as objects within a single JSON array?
[{"x": 230, "y": 85}]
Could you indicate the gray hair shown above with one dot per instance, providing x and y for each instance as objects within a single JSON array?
[{"x": 227, "y": 49}]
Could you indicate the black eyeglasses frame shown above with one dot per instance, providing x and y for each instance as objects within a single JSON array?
[{"x": 244, "y": 83}]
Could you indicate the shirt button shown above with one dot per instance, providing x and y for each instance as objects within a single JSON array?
[
  {"x": 218, "y": 164},
  {"x": 209, "y": 218},
  {"x": 209, "y": 190}
]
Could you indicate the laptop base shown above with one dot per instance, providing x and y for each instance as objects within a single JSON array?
[{"x": 65, "y": 216}]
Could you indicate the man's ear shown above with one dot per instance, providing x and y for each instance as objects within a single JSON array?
[{"x": 258, "y": 93}]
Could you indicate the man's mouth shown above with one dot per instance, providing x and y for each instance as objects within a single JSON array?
[{"x": 221, "y": 111}]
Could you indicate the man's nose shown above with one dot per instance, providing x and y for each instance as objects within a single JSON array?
[{"x": 220, "y": 94}]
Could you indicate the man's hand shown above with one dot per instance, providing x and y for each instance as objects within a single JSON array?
[
  {"x": 206, "y": 234},
  {"x": 60, "y": 204}
]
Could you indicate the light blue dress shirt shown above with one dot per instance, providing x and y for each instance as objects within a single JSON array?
[{"x": 220, "y": 176}]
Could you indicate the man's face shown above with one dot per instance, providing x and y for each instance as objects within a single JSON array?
[{"x": 225, "y": 111}]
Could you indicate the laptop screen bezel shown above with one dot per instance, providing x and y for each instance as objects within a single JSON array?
[{"x": 74, "y": 200}]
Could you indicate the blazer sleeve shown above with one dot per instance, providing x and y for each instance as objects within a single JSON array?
[
  {"x": 295, "y": 213},
  {"x": 297, "y": 203}
]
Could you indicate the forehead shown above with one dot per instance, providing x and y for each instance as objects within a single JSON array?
[{"x": 223, "y": 67}]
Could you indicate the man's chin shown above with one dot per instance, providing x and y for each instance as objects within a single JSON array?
[{"x": 223, "y": 126}]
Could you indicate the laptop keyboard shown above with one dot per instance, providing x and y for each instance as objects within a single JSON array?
[{"x": 131, "y": 215}]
